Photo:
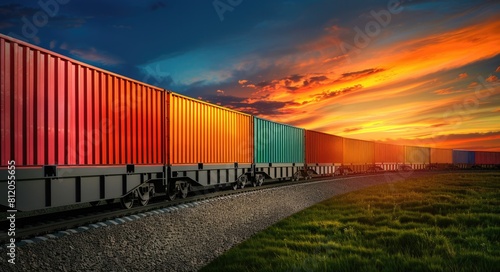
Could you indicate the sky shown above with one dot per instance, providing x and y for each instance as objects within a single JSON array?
[{"x": 414, "y": 72}]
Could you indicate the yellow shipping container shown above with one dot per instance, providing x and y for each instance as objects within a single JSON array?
[{"x": 417, "y": 154}]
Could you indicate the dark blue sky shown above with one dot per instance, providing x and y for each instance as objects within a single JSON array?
[{"x": 335, "y": 66}]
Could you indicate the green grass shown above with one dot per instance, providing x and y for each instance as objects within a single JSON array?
[{"x": 449, "y": 222}]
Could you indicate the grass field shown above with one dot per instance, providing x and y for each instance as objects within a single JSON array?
[{"x": 449, "y": 222}]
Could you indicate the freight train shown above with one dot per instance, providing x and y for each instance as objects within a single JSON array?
[{"x": 72, "y": 133}]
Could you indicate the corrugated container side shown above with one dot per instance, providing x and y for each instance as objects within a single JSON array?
[
  {"x": 58, "y": 111},
  {"x": 472, "y": 157},
  {"x": 389, "y": 153},
  {"x": 462, "y": 156},
  {"x": 278, "y": 143},
  {"x": 439, "y": 155},
  {"x": 323, "y": 148},
  {"x": 484, "y": 157},
  {"x": 358, "y": 151},
  {"x": 205, "y": 133},
  {"x": 417, "y": 154}
]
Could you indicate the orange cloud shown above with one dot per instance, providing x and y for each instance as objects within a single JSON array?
[
  {"x": 444, "y": 91},
  {"x": 396, "y": 91},
  {"x": 492, "y": 79}
]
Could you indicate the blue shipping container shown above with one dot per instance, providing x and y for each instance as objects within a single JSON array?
[{"x": 461, "y": 156}]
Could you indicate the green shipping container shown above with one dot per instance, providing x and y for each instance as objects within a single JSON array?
[{"x": 277, "y": 143}]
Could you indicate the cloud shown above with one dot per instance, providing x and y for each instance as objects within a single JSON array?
[
  {"x": 242, "y": 81},
  {"x": 492, "y": 78},
  {"x": 498, "y": 69},
  {"x": 93, "y": 55},
  {"x": 295, "y": 78},
  {"x": 473, "y": 84},
  {"x": 318, "y": 79},
  {"x": 463, "y": 75},
  {"x": 439, "y": 125},
  {"x": 274, "y": 108},
  {"x": 446, "y": 91},
  {"x": 359, "y": 74},
  {"x": 347, "y": 130},
  {"x": 443, "y": 91},
  {"x": 220, "y": 91},
  {"x": 488, "y": 141},
  {"x": 329, "y": 94}
]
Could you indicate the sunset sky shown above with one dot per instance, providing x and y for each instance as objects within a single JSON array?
[{"x": 407, "y": 72}]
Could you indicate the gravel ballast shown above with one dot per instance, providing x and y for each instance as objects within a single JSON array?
[{"x": 183, "y": 240}]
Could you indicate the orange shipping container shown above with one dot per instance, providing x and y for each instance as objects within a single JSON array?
[
  {"x": 439, "y": 155},
  {"x": 200, "y": 132},
  {"x": 389, "y": 153},
  {"x": 323, "y": 148},
  {"x": 417, "y": 154},
  {"x": 358, "y": 152}
]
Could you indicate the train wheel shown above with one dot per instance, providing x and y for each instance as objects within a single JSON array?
[
  {"x": 172, "y": 192},
  {"x": 235, "y": 186},
  {"x": 259, "y": 180},
  {"x": 184, "y": 190},
  {"x": 144, "y": 195},
  {"x": 94, "y": 203},
  {"x": 144, "y": 202},
  {"x": 243, "y": 181},
  {"x": 127, "y": 201}
]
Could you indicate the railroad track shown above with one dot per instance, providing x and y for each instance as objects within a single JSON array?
[{"x": 38, "y": 225}]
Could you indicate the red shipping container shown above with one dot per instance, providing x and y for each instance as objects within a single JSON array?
[
  {"x": 58, "y": 111},
  {"x": 484, "y": 157},
  {"x": 323, "y": 148}
]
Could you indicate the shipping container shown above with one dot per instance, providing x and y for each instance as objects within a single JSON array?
[
  {"x": 439, "y": 155},
  {"x": 417, "y": 155},
  {"x": 279, "y": 149},
  {"x": 389, "y": 153},
  {"x": 200, "y": 132},
  {"x": 278, "y": 143},
  {"x": 464, "y": 157},
  {"x": 323, "y": 151},
  {"x": 487, "y": 158},
  {"x": 358, "y": 152},
  {"x": 58, "y": 111},
  {"x": 323, "y": 148},
  {"x": 61, "y": 118}
]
